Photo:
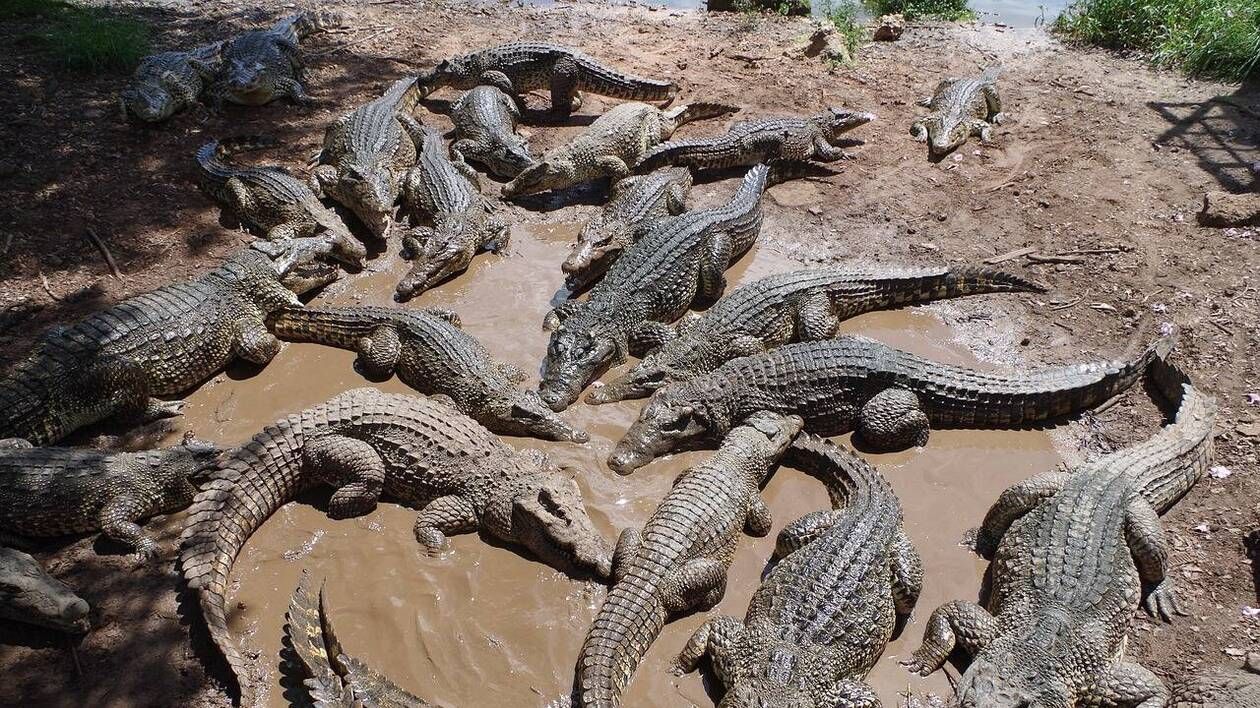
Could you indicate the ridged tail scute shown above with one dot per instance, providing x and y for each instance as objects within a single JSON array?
[
  {"x": 307, "y": 631},
  {"x": 1186, "y": 445},
  {"x": 605, "y": 81},
  {"x": 235, "y": 145},
  {"x": 327, "y": 326},
  {"x": 975, "y": 280},
  {"x": 627, "y": 624},
  {"x": 850, "y": 480},
  {"x": 700, "y": 110}
]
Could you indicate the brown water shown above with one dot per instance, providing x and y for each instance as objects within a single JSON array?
[{"x": 485, "y": 626}]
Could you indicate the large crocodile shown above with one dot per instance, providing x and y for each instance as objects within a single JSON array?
[
  {"x": 271, "y": 200},
  {"x": 366, "y": 152},
  {"x": 430, "y": 353},
  {"x": 678, "y": 562},
  {"x": 366, "y": 444},
  {"x": 608, "y": 147},
  {"x": 851, "y": 383},
  {"x": 461, "y": 221},
  {"x": 822, "y": 616},
  {"x": 960, "y": 108},
  {"x": 261, "y": 66},
  {"x": 169, "y": 82},
  {"x": 1221, "y": 687},
  {"x": 748, "y": 143},
  {"x": 637, "y": 203},
  {"x": 57, "y": 491},
  {"x": 1074, "y": 549},
  {"x": 29, "y": 594},
  {"x": 333, "y": 679},
  {"x": 519, "y": 67},
  {"x": 655, "y": 281},
  {"x": 796, "y": 306},
  {"x": 159, "y": 343},
  {"x": 485, "y": 121}
]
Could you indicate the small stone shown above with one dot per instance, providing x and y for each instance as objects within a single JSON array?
[
  {"x": 890, "y": 28},
  {"x": 940, "y": 217},
  {"x": 1220, "y": 472},
  {"x": 815, "y": 211},
  {"x": 1251, "y": 430},
  {"x": 1025, "y": 342}
]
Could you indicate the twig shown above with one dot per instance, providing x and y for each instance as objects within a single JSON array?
[
  {"x": 1042, "y": 258},
  {"x": 1221, "y": 327},
  {"x": 1091, "y": 251},
  {"x": 1010, "y": 255},
  {"x": 74, "y": 654},
  {"x": 1066, "y": 305},
  {"x": 1106, "y": 405},
  {"x": 347, "y": 45},
  {"x": 109, "y": 257},
  {"x": 48, "y": 288},
  {"x": 748, "y": 58},
  {"x": 8, "y": 241}
]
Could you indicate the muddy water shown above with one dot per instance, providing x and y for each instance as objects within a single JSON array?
[{"x": 486, "y": 626}]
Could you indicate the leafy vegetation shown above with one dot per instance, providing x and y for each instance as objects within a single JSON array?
[
  {"x": 845, "y": 16},
  {"x": 1217, "y": 38},
  {"x": 82, "y": 38},
  {"x": 951, "y": 10}
]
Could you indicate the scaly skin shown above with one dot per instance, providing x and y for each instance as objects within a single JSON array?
[
  {"x": 485, "y": 121},
  {"x": 160, "y": 343},
  {"x": 333, "y": 679},
  {"x": 851, "y": 383},
  {"x": 609, "y": 147},
  {"x": 270, "y": 199},
  {"x": 824, "y": 614},
  {"x": 1221, "y": 687},
  {"x": 366, "y": 444},
  {"x": 637, "y": 203},
  {"x": 29, "y": 594},
  {"x": 261, "y": 66},
  {"x": 1074, "y": 549},
  {"x": 366, "y": 152},
  {"x": 429, "y": 352},
  {"x": 798, "y": 306},
  {"x": 655, "y": 281},
  {"x": 678, "y": 562},
  {"x": 462, "y": 222},
  {"x": 57, "y": 491},
  {"x": 520, "y": 67},
  {"x": 167, "y": 83},
  {"x": 960, "y": 108},
  {"x": 798, "y": 139}
]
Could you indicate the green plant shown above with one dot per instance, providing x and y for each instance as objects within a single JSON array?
[
  {"x": 951, "y": 10},
  {"x": 13, "y": 9},
  {"x": 844, "y": 15},
  {"x": 82, "y": 38}
]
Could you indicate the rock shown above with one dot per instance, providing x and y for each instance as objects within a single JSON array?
[
  {"x": 825, "y": 42},
  {"x": 890, "y": 28},
  {"x": 1222, "y": 209}
]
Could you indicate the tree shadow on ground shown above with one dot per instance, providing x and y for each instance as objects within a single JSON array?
[{"x": 1222, "y": 133}]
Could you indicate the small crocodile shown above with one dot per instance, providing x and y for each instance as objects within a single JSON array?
[
  {"x": 29, "y": 594},
  {"x": 678, "y": 562},
  {"x": 748, "y": 143},
  {"x": 851, "y": 383},
  {"x": 637, "y": 203},
  {"x": 430, "y": 353},
  {"x": 366, "y": 444},
  {"x": 960, "y": 108},
  {"x": 609, "y": 147},
  {"x": 462, "y": 222},
  {"x": 797, "y": 306},
  {"x": 261, "y": 66},
  {"x": 1074, "y": 549},
  {"x": 270, "y": 199},
  {"x": 520, "y": 67},
  {"x": 485, "y": 121},
  {"x": 1221, "y": 687},
  {"x": 655, "y": 281},
  {"x": 823, "y": 615},
  {"x": 333, "y": 679},
  {"x": 366, "y": 152},
  {"x": 58, "y": 491},
  {"x": 167, "y": 83},
  {"x": 159, "y": 343}
]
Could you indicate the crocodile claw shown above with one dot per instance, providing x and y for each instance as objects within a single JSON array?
[{"x": 1162, "y": 602}]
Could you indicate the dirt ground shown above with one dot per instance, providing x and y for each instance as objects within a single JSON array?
[{"x": 1100, "y": 170}]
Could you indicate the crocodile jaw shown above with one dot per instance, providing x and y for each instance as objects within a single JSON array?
[
  {"x": 663, "y": 426},
  {"x": 28, "y": 594},
  {"x": 551, "y": 521}
]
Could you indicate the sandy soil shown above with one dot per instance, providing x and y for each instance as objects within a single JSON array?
[{"x": 1102, "y": 166}]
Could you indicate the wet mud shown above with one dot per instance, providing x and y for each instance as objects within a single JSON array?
[{"x": 488, "y": 626}]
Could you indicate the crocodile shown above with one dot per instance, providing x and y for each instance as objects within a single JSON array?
[
  {"x": 679, "y": 560},
  {"x": 261, "y": 66},
  {"x": 1072, "y": 550},
  {"x": 485, "y": 121},
  {"x": 270, "y": 199},
  {"x": 748, "y": 143},
  {"x": 58, "y": 491},
  {"x": 608, "y": 147},
  {"x": 655, "y": 281},
  {"x": 852, "y": 383},
  {"x": 823, "y": 615},
  {"x": 430, "y": 353},
  {"x": 30, "y": 595},
  {"x": 160, "y": 343},
  {"x": 462, "y": 222},
  {"x": 796, "y": 306},
  {"x": 517, "y": 68},
  {"x": 366, "y": 152},
  {"x": 333, "y": 679},
  {"x": 1221, "y": 687},
  {"x": 168, "y": 82},
  {"x": 960, "y": 108},
  {"x": 366, "y": 443},
  {"x": 637, "y": 203}
]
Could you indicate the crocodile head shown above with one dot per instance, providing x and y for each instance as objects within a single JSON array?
[
  {"x": 368, "y": 190},
  {"x": 302, "y": 265},
  {"x": 579, "y": 352},
  {"x": 546, "y": 515},
  {"x": 1019, "y": 678},
  {"x": 523, "y": 413},
  {"x": 838, "y": 120},
  {"x": 946, "y": 133},
  {"x": 600, "y": 241},
  {"x": 29, "y": 594},
  {"x": 506, "y": 157},
  {"x": 549, "y": 173},
  {"x": 444, "y": 250},
  {"x": 667, "y": 423},
  {"x": 149, "y": 101},
  {"x": 250, "y": 83},
  {"x": 676, "y": 360}
]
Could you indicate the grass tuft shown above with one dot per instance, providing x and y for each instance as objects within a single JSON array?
[
  {"x": 950, "y": 10},
  {"x": 80, "y": 38},
  {"x": 844, "y": 15}
]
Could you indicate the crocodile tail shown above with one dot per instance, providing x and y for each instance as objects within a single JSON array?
[
  {"x": 329, "y": 326},
  {"x": 308, "y": 636},
  {"x": 1185, "y": 448},
  {"x": 701, "y": 110},
  {"x": 851, "y": 481},
  {"x": 978, "y": 279},
  {"x": 991, "y": 73},
  {"x": 627, "y": 624},
  {"x": 595, "y": 77}
]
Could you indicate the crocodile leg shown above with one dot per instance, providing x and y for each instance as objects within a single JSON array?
[
  {"x": 994, "y": 104},
  {"x": 1145, "y": 536},
  {"x": 713, "y": 263},
  {"x": 564, "y": 95},
  {"x": 676, "y": 199},
  {"x": 627, "y": 547},
  {"x": 254, "y": 343},
  {"x": 612, "y": 166},
  {"x": 919, "y": 131},
  {"x": 816, "y": 317},
  {"x": 286, "y": 86},
  {"x": 351, "y": 465},
  {"x": 907, "y": 573},
  {"x": 499, "y": 80},
  {"x": 982, "y": 129},
  {"x": 415, "y": 131},
  {"x": 759, "y": 520},
  {"x": 378, "y": 353},
  {"x": 239, "y": 199},
  {"x": 716, "y": 637},
  {"x": 892, "y": 419},
  {"x": 118, "y": 522},
  {"x": 1017, "y": 500},
  {"x": 512, "y": 372},
  {"x": 799, "y": 533},
  {"x": 442, "y": 517},
  {"x": 1126, "y": 685},
  {"x": 954, "y": 624},
  {"x": 648, "y": 336},
  {"x": 826, "y": 152},
  {"x": 852, "y": 694},
  {"x": 699, "y": 584},
  {"x": 451, "y": 317}
]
